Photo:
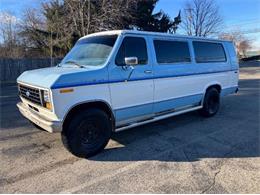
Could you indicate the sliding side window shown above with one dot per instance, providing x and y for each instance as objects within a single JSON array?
[
  {"x": 208, "y": 52},
  {"x": 168, "y": 52}
]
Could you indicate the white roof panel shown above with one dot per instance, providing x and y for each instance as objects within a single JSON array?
[{"x": 137, "y": 32}]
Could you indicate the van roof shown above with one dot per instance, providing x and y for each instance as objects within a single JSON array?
[{"x": 137, "y": 32}]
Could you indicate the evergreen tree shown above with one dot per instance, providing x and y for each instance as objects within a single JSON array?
[{"x": 146, "y": 20}]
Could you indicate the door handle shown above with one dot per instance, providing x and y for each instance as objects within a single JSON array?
[{"x": 148, "y": 71}]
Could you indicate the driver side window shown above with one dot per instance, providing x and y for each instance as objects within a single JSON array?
[{"x": 132, "y": 47}]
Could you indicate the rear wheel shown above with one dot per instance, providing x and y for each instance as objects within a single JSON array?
[
  {"x": 87, "y": 133},
  {"x": 211, "y": 103}
]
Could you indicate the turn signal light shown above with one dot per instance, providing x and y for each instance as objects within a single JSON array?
[
  {"x": 48, "y": 105},
  {"x": 66, "y": 90}
]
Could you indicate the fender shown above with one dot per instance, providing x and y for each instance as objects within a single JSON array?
[{"x": 89, "y": 102}]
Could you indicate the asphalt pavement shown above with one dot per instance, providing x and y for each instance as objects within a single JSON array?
[{"x": 182, "y": 154}]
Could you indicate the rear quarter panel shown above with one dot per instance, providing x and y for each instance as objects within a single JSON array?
[{"x": 233, "y": 63}]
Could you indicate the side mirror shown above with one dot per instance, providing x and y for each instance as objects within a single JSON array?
[{"x": 131, "y": 61}]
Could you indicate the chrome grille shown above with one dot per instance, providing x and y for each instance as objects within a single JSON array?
[{"x": 31, "y": 94}]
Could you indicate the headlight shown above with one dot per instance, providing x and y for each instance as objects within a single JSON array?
[
  {"x": 46, "y": 96},
  {"x": 46, "y": 99}
]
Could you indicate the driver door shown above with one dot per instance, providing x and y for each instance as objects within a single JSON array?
[{"x": 132, "y": 88}]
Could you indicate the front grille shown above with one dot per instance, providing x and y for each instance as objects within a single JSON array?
[{"x": 31, "y": 94}]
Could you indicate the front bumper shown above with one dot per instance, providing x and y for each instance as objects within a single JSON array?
[{"x": 41, "y": 121}]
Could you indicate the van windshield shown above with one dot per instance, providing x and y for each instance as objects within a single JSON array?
[{"x": 92, "y": 51}]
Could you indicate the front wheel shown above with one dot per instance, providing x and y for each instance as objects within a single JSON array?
[
  {"x": 211, "y": 103},
  {"x": 87, "y": 133}
]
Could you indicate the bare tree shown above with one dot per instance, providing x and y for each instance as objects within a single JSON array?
[
  {"x": 78, "y": 15},
  {"x": 244, "y": 46},
  {"x": 242, "y": 43},
  {"x": 201, "y": 18},
  {"x": 9, "y": 35},
  {"x": 58, "y": 24},
  {"x": 30, "y": 28},
  {"x": 112, "y": 14}
]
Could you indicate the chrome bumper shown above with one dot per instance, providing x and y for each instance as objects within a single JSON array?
[{"x": 41, "y": 121}]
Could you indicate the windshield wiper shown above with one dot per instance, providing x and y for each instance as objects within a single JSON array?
[{"x": 74, "y": 63}]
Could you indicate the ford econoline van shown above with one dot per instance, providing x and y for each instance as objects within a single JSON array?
[{"x": 115, "y": 80}]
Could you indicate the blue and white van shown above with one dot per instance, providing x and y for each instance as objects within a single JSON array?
[{"x": 115, "y": 80}]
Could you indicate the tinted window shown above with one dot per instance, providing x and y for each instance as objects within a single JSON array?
[
  {"x": 171, "y": 51},
  {"x": 209, "y": 52},
  {"x": 132, "y": 47}
]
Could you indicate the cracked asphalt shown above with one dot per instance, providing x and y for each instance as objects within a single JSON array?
[{"x": 182, "y": 154}]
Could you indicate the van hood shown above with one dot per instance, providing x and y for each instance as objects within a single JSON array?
[{"x": 58, "y": 76}]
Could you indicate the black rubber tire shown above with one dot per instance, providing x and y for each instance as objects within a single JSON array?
[
  {"x": 211, "y": 103},
  {"x": 87, "y": 133}
]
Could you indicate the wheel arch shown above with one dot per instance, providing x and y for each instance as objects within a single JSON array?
[
  {"x": 99, "y": 104},
  {"x": 216, "y": 85}
]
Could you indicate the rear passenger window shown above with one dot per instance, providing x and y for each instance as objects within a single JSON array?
[
  {"x": 132, "y": 47},
  {"x": 171, "y": 51},
  {"x": 208, "y": 52}
]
